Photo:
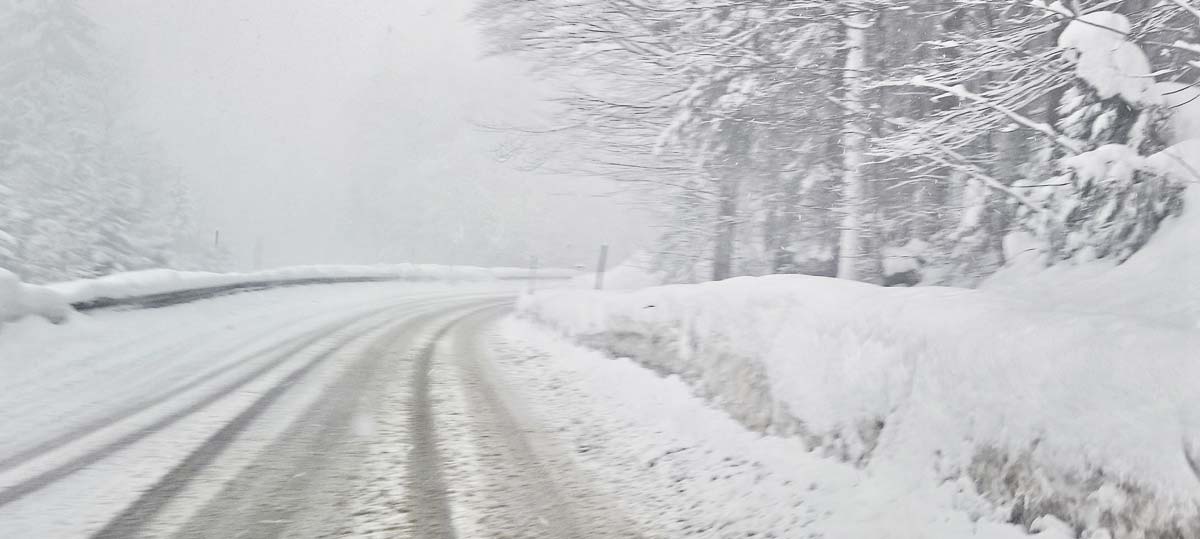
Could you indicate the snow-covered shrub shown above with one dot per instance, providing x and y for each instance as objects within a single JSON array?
[{"x": 1106, "y": 202}]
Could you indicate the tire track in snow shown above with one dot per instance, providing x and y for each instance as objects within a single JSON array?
[
  {"x": 524, "y": 481},
  {"x": 130, "y": 522},
  {"x": 289, "y": 349},
  {"x": 134, "y": 408},
  {"x": 427, "y": 482},
  {"x": 268, "y": 499}
]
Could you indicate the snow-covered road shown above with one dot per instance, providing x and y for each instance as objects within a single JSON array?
[{"x": 238, "y": 416}]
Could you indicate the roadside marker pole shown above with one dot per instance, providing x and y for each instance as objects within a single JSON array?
[
  {"x": 601, "y": 266},
  {"x": 533, "y": 267}
]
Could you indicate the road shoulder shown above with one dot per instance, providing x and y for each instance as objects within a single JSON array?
[{"x": 511, "y": 475}]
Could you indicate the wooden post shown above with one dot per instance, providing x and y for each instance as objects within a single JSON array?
[
  {"x": 533, "y": 267},
  {"x": 601, "y": 266}
]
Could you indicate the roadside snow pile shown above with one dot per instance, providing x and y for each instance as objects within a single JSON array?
[
  {"x": 18, "y": 300},
  {"x": 1087, "y": 417},
  {"x": 151, "y": 282}
]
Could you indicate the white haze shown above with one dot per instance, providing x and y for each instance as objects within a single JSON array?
[{"x": 349, "y": 132}]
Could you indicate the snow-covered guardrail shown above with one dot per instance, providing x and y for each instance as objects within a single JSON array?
[
  {"x": 157, "y": 288},
  {"x": 1091, "y": 418}
]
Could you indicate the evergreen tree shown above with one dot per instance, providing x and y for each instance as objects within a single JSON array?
[
  {"x": 79, "y": 193},
  {"x": 868, "y": 138}
]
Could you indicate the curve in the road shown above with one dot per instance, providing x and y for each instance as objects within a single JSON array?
[
  {"x": 132, "y": 521},
  {"x": 431, "y": 511}
]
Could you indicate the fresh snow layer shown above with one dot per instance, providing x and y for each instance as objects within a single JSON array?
[{"x": 930, "y": 383}]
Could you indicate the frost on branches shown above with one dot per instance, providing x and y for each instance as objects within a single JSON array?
[{"x": 1107, "y": 201}]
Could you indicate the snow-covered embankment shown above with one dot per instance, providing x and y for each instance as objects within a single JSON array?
[{"x": 1091, "y": 418}]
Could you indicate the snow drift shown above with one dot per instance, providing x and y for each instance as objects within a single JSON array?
[{"x": 1088, "y": 417}]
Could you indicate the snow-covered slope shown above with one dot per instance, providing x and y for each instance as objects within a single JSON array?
[{"x": 1090, "y": 417}]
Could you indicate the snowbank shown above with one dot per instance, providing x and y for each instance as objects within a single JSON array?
[
  {"x": 1092, "y": 418},
  {"x": 18, "y": 300}
]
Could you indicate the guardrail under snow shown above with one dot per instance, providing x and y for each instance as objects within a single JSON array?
[{"x": 159, "y": 288}]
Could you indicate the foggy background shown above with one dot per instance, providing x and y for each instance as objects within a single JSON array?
[{"x": 351, "y": 132}]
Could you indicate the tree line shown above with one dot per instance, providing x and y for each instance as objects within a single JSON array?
[
  {"x": 899, "y": 142},
  {"x": 82, "y": 192}
]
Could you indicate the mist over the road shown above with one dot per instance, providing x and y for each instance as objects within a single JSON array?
[{"x": 350, "y": 132}]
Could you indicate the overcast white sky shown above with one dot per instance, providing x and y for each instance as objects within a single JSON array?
[{"x": 347, "y": 131}]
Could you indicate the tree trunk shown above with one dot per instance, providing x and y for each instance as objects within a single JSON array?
[
  {"x": 854, "y": 139},
  {"x": 722, "y": 262},
  {"x": 787, "y": 221}
]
